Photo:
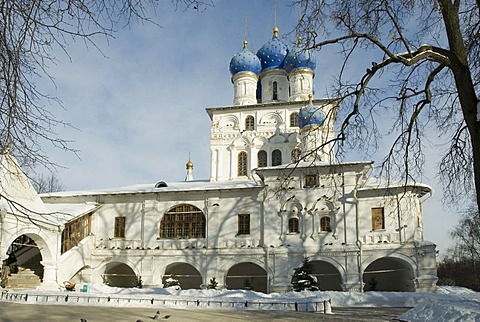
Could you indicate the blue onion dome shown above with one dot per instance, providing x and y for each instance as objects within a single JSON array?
[
  {"x": 245, "y": 61},
  {"x": 272, "y": 54},
  {"x": 299, "y": 57},
  {"x": 310, "y": 116}
]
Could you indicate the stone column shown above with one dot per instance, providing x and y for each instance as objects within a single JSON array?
[{"x": 49, "y": 276}]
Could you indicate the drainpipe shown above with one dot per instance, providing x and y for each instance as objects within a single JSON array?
[
  {"x": 358, "y": 242},
  {"x": 3, "y": 213},
  {"x": 142, "y": 226},
  {"x": 399, "y": 219}
]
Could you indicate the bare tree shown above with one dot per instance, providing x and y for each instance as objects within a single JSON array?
[
  {"x": 29, "y": 33},
  {"x": 423, "y": 73},
  {"x": 47, "y": 183},
  {"x": 462, "y": 266}
]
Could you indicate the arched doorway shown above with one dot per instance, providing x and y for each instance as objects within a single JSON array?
[
  {"x": 389, "y": 274},
  {"x": 27, "y": 257},
  {"x": 118, "y": 274},
  {"x": 247, "y": 276},
  {"x": 328, "y": 277},
  {"x": 187, "y": 276}
]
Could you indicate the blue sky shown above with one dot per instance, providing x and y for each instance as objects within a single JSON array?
[{"x": 139, "y": 105}]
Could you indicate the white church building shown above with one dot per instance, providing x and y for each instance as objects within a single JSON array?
[{"x": 276, "y": 194}]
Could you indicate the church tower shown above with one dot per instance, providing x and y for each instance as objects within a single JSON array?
[
  {"x": 262, "y": 128},
  {"x": 274, "y": 78},
  {"x": 245, "y": 67},
  {"x": 300, "y": 65}
]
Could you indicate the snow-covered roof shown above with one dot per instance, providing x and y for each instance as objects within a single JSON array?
[
  {"x": 376, "y": 184},
  {"x": 312, "y": 164},
  {"x": 211, "y": 110},
  {"x": 182, "y": 186}
]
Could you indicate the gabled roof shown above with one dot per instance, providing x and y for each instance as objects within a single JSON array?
[
  {"x": 19, "y": 197},
  {"x": 16, "y": 188}
]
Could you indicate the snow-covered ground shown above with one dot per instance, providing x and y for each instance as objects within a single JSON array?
[{"x": 446, "y": 304}]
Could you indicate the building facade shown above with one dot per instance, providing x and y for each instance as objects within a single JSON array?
[{"x": 276, "y": 194}]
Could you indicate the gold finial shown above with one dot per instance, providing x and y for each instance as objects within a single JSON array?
[
  {"x": 299, "y": 40},
  {"x": 245, "y": 44},
  {"x": 310, "y": 97},
  {"x": 275, "y": 32},
  {"x": 189, "y": 163}
]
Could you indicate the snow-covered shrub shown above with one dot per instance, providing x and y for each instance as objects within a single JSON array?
[{"x": 302, "y": 278}]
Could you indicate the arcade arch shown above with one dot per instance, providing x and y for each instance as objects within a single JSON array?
[
  {"x": 247, "y": 276},
  {"x": 389, "y": 274},
  {"x": 187, "y": 275}
]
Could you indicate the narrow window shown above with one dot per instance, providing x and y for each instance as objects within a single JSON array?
[
  {"x": 378, "y": 218},
  {"x": 296, "y": 155},
  {"x": 276, "y": 157},
  {"x": 275, "y": 91},
  {"x": 242, "y": 164},
  {"x": 249, "y": 123},
  {"x": 310, "y": 181},
  {"x": 325, "y": 224},
  {"x": 119, "y": 227},
  {"x": 244, "y": 224},
  {"x": 262, "y": 158},
  {"x": 293, "y": 226},
  {"x": 294, "y": 119}
]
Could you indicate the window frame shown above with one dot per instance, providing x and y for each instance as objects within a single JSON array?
[
  {"x": 378, "y": 218},
  {"x": 119, "y": 227},
  {"x": 294, "y": 119},
  {"x": 295, "y": 155},
  {"x": 325, "y": 224},
  {"x": 249, "y": 123},
  {"x": 242, "y": 164},
  {"x": 293, "y": 225},
  {"x": 259, "y": 163},
  {"x": 310, "y": 181},
  {"x": 183, "y": 221},
  {"x": 276, "y": 157},
  {"x": 243, "y": 224}
]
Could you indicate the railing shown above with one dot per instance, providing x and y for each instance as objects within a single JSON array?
[
  {"x": 119, "y": 244},
  {"x": 323, "y": 306},
  {"x": 166, "y": 244},
  {"x": 380, "y": 237}
]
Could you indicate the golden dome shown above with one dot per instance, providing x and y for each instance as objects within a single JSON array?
[{"x": 189, "y": 164}]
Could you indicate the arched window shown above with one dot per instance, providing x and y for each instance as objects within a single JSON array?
[
  {"x": 249, "y": 123},
  {"x": 183, "y": 221},
  {"x": 293, "y": 226},
  {"x": 276, "y": 157},
  {"x": 275, "y": 91},
  {"x": 242, "y": 164},
  {"x": 262, "y": 158},
  {"x": 294, "y": 119},
  {"x": 325, "y": 224},
  {"x": 296, "y": 155}
]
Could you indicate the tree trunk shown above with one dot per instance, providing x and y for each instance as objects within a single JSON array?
[{"x": 464, "y": 83}]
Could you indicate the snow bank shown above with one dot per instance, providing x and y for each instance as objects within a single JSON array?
[{"x": 448, "y": 303}]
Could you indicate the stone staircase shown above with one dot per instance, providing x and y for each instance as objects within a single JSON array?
[{"x": 29, "y": 275}]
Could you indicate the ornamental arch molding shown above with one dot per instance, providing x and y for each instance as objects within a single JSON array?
[
  {"x": 229, "y": 122},
  {"x": 42, "y": 240}
]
